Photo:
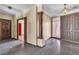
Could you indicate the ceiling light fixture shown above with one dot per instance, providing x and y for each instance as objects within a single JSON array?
[{"x": 65, "y": 9}]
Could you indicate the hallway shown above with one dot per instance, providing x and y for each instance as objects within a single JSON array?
[{"x": 53, "y": 47}]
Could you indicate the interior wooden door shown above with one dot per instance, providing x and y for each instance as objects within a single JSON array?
[{"x": 6, "y": 29}]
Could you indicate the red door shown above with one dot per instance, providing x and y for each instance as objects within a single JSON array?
[{"x": 21, "y": 30}]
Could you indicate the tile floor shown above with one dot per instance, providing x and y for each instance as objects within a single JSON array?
[{"x": 53, "y": 47}]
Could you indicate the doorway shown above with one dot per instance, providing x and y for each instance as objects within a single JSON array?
[
  {"x": 56, "y": 27},
  {"x": 22, "y": 29}
]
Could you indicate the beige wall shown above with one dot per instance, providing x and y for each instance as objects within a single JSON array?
[
  {"x": 6, "y": 16},
  {"x": 31, "y": 26},
  {"x": 46, "y": 26}
]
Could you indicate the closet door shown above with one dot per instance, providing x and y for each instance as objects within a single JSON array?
[{"x": 70, "y": 27}]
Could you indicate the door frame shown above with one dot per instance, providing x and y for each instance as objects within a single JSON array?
[{"x": 25, "y": 28}]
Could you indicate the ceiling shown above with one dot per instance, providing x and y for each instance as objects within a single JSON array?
[
  {"x": 57, "y": 9},
  {"x": 52, "y": 9},
  {"x": 16, "y": 8}
]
